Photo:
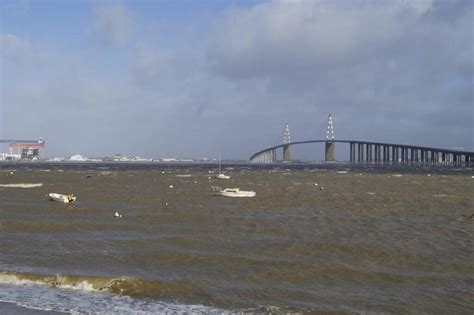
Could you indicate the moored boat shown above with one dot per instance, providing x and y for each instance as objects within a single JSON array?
[
  {"x": 69, "y": 198},
  {"x": 222, "y": 176},
  {"x": 236, "y": 192}
]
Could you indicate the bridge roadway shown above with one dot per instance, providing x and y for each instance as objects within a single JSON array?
[{"x": 379, "y": 152}]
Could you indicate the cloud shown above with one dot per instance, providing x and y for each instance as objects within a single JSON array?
[
  {"x": 395, "y": 71},
  {"x": 14, "y": 48},
  {"x": 383, "y": 68},
  {"x": 15, "y": 5},
  {"x": 280, "y": 36},
  {"x": 113, "y": 25}
]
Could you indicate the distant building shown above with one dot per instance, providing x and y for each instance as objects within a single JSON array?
[
  {"x": 169, "y": 160},
  {"x": 77, "y": 158},
  {"x": 9, "y": 157}
]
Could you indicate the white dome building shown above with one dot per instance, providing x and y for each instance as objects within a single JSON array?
[{"x": 77, "y": 158}]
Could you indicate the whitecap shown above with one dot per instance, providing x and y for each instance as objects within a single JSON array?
[{"x": 22, "y": 185}]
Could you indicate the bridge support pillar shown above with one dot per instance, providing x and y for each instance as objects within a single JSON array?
[
  {"x": 355, "y": 152},
  {"x": 360, "y": 152},
  {"x": 367, "y": 152},
  {"x": 330, "y": 151},
  {"x": 352, "y": 151},
  {"x": 286, "y": 153}
]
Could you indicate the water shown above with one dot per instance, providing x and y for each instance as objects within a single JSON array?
[{"x": 371, "y": 241}]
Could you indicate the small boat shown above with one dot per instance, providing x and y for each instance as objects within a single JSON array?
[
  {"x": 221, "y": 175},
  {"x": 69, "y": 198},
  {"x": 236, "y": 192}
]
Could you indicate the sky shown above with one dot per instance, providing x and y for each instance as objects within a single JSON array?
[{"x": 198, "y": 78}]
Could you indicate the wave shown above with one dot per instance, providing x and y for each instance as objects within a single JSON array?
[
  {"x": 101, "y": 295},
  {"x": 21, "y": 185},
  {"x": 120, "y": 285}
]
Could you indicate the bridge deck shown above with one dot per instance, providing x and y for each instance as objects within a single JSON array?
[{"x": 370, "y": 143}]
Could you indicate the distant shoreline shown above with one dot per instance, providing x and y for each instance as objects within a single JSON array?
[{"x": 311, "y": 166}]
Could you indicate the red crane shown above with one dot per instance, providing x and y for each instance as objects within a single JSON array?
[{"x": 27, "y": 148}]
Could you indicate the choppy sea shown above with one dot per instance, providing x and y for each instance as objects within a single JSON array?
[{"x": 317, "y": 238}]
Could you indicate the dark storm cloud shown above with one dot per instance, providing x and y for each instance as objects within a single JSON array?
[{"x": 386, "y": 70}]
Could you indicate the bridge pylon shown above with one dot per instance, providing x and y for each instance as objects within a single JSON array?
[
  {"x": 330, "y": 154},
  {"x": 286, "y": 144}
]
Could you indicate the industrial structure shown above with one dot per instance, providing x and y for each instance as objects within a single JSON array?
[
  {"x": 24, "y": 149},
  {"x": 371, "y": 152}
]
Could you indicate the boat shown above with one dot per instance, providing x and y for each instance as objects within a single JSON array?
[
  {"x": 69, "y": 198},
  {"x": 221, "y": 175},
  {"x": 235, "y": 192}
]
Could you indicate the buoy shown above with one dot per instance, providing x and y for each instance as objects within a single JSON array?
[
  {"x": 429, "y": 175},
  {"x": 321, "y": 188},
  {"x": 11, "y": 173},
  {"x": 117, "y": 215},
  {"x": 171, "y": 186},
  {"x": 315, "y": 184}
]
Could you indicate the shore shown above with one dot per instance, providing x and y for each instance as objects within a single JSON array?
[{"x": 7, "y": 308}]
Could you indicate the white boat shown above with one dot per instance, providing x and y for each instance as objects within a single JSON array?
[
  {"x": 221, "y": 175},
  {"x": 70, "y": 198},
  {"x": 236, "y": 192}
]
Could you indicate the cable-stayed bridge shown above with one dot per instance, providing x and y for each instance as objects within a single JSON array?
[{"x": 370, "y": 151}]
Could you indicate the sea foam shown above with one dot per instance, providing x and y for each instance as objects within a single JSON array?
[{"x": 21, "y": 185}]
